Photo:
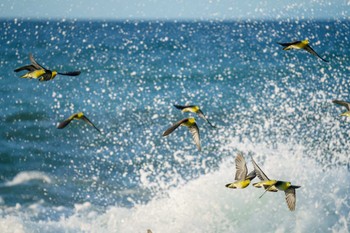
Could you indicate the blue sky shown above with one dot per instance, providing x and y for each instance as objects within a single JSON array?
[{"x": 175, "y": 9}]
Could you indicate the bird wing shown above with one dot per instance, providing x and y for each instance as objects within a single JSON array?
[
  {"x": 259, "y": 172},
  {"x": 290, "y": 198},
  {"x": 195, "y": 134},
  {"x": 34, "y": 63},
  {"x": 241, "y": 167},
  {"x": 251, "y": 175},
  {"x": 290, "y": 43},
  {"x": 343, "y": 103},
  {"x": 174, "y": 126},
  {"x": 84, "y": 118},
  {"x": 67, "y": 121},
  {"x": 64, "y": 123},
  {"x": 313, "y": 52},
  {"x": 70, "y": 73},
  {"x": 28, "y": 68},
  {"x": 201, "y": 114},
  {"x": 46, "y": 76},
  {"x": 180, "y": 106}
]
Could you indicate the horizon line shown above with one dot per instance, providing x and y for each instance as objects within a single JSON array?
[{"x": 182, "y": 19}]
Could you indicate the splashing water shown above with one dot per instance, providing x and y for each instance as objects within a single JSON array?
[{"x": 271, "y": 104}]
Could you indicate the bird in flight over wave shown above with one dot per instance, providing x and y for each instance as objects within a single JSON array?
[
  {"x": 194, "y": 109},
  {"x": 304, "y": 44},
  {"x": 76, "y": 116},
  {"x": 242, "y": 180},
  {"x": 190, "y": 123},
  {"x": 275, "y": 185},
  {"x": 262, "y": 177},
  {"x": 345, "y": 104},
  {"x": 37, "y": 71}
]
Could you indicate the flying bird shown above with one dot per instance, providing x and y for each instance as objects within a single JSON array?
[
  {"x": 275, "y": 185},
  {"x": 285, "y": 186},
  {"x": 190, "y": 123},
  {"x": 262, "y": 177},
  {"x": 242, "y": 180},
  {"x": 194, "y": 109},
  {"x": 345, "y": 104},
  {"x": 304, "y": 44},
  {"x": 76, "y": 116},
  {"x": 37, "y": 71}
]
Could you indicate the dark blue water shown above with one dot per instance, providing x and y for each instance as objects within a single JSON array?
[{"x": 272, "y": 104}]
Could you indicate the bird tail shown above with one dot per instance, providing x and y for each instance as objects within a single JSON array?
[
  {"x": 258, "y": 185},
  {"x": 231, "y": 186},
  {"x": 30, "y": 75}
]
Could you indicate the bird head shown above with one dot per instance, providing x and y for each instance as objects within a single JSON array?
[
  {"x": 306, "y": 41},
  {"x": 282, "y": 185},
  {"x": 80, "y": 114},
  {"x": 196, "y": 108},
  {"x": 54, "y": 73},
  {"x": 191, "y": 120}
]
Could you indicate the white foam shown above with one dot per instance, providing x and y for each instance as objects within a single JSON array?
[
  {"x": 206, "y": 205},
  {"x": 26, "y": 176},
  {"x": 12, "y": 224}
]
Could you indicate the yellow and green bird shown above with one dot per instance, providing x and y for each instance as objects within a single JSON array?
[
  {"x": 303, "y": 44},
  {"x": 76, "y": 116},
  {"x": 190, "y": 123},
  {"x": 37, "y": 71},
  {"x": 194, "y": 109},
  {"x": 262, "y": 177},
  {"x": 345, "y": 104},
  {"x": 275, "y": 185},
  {"x": 242, "y": 180}
]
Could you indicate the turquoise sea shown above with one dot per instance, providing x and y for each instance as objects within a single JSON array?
[{"x": 273, "y": 105}]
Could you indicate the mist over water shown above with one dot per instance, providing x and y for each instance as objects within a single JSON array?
[{"x": 271, "y": 104}]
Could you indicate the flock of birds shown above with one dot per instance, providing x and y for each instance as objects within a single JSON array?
[
  {"x": 37, "y": 71},
  {"x": 242, "y": 178}
]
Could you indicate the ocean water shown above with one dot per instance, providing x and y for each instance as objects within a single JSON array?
[{"x": 268, "y": 103}]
